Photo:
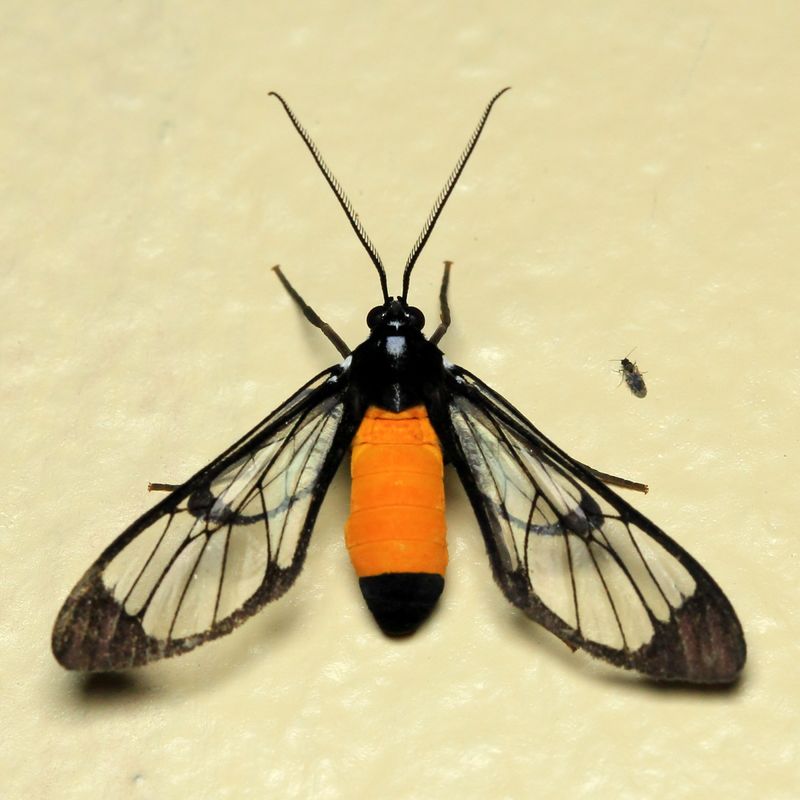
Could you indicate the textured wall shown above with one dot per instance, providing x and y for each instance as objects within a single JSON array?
[{"x": 637, "y": 188}]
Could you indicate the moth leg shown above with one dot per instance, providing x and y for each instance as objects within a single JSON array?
[
  {"x": 312, "y": 315},
  {"x": 613, "y": 480},
  {"x": 162, "y": 487},
  {"x": 443, "y": 305}
]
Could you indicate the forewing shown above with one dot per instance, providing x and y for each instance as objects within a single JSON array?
[
  {"x": 213, "y": 552},
  {"x": 576, "y": 557}
]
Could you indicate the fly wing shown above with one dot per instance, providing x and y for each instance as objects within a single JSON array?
[
  {"x": 219, "y": 547},
  {"x": 576, "y": 557}
]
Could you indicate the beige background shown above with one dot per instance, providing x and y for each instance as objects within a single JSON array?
[{"x": 637, "y": 188}]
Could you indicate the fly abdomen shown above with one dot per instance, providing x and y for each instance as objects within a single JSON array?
[{"x": 396, "y": 530}]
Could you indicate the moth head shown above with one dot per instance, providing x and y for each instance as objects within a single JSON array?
[{"x": 395, "y": 313}]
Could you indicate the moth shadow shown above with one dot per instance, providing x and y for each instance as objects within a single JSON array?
[
  {"x": 111, "y": 688},
  {"x": 641, "y": 683}
]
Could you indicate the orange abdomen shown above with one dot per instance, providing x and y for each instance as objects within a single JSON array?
[{"x": 396, "y": 522}]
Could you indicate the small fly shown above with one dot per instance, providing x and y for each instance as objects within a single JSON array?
[
  {"x": 564, "y": 549},
  {"x": 634, "y": 379}
]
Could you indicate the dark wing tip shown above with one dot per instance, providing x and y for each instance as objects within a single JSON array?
[
  {"x": 93, "y": 633},
  {"x": 703, "y": 643}
]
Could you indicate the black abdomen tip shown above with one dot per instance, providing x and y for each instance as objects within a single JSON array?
[{"x": 401, "y": 601}]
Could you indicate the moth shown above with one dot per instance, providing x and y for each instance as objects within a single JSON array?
[
  {"x": 563, "y": 547},
  {"x": 633, "y": 377}
]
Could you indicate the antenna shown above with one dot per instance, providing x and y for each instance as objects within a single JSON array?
[
  {"x": 344, "y": 201},
  {"x": 445, "y": 194}
]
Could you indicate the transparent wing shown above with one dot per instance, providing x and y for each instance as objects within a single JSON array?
[
  {"x": 213, "y": 552},
  {"x": 576, "y": 557}
]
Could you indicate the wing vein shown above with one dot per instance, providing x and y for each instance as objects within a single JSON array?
[{"x": 187, "y": 583}]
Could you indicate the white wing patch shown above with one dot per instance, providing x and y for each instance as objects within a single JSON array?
[
  {"x": 602, "y": 576},
  {"x": 198, "y": 565}
]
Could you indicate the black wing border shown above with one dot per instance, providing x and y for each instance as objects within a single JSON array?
[
  {"x": 92, "y": 632},
  {"x": 703, "y": 641}
]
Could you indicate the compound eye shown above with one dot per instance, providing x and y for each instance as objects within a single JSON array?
[
  {"x": 417, "y": 317},
  {"x": 374, "y": 317}
]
